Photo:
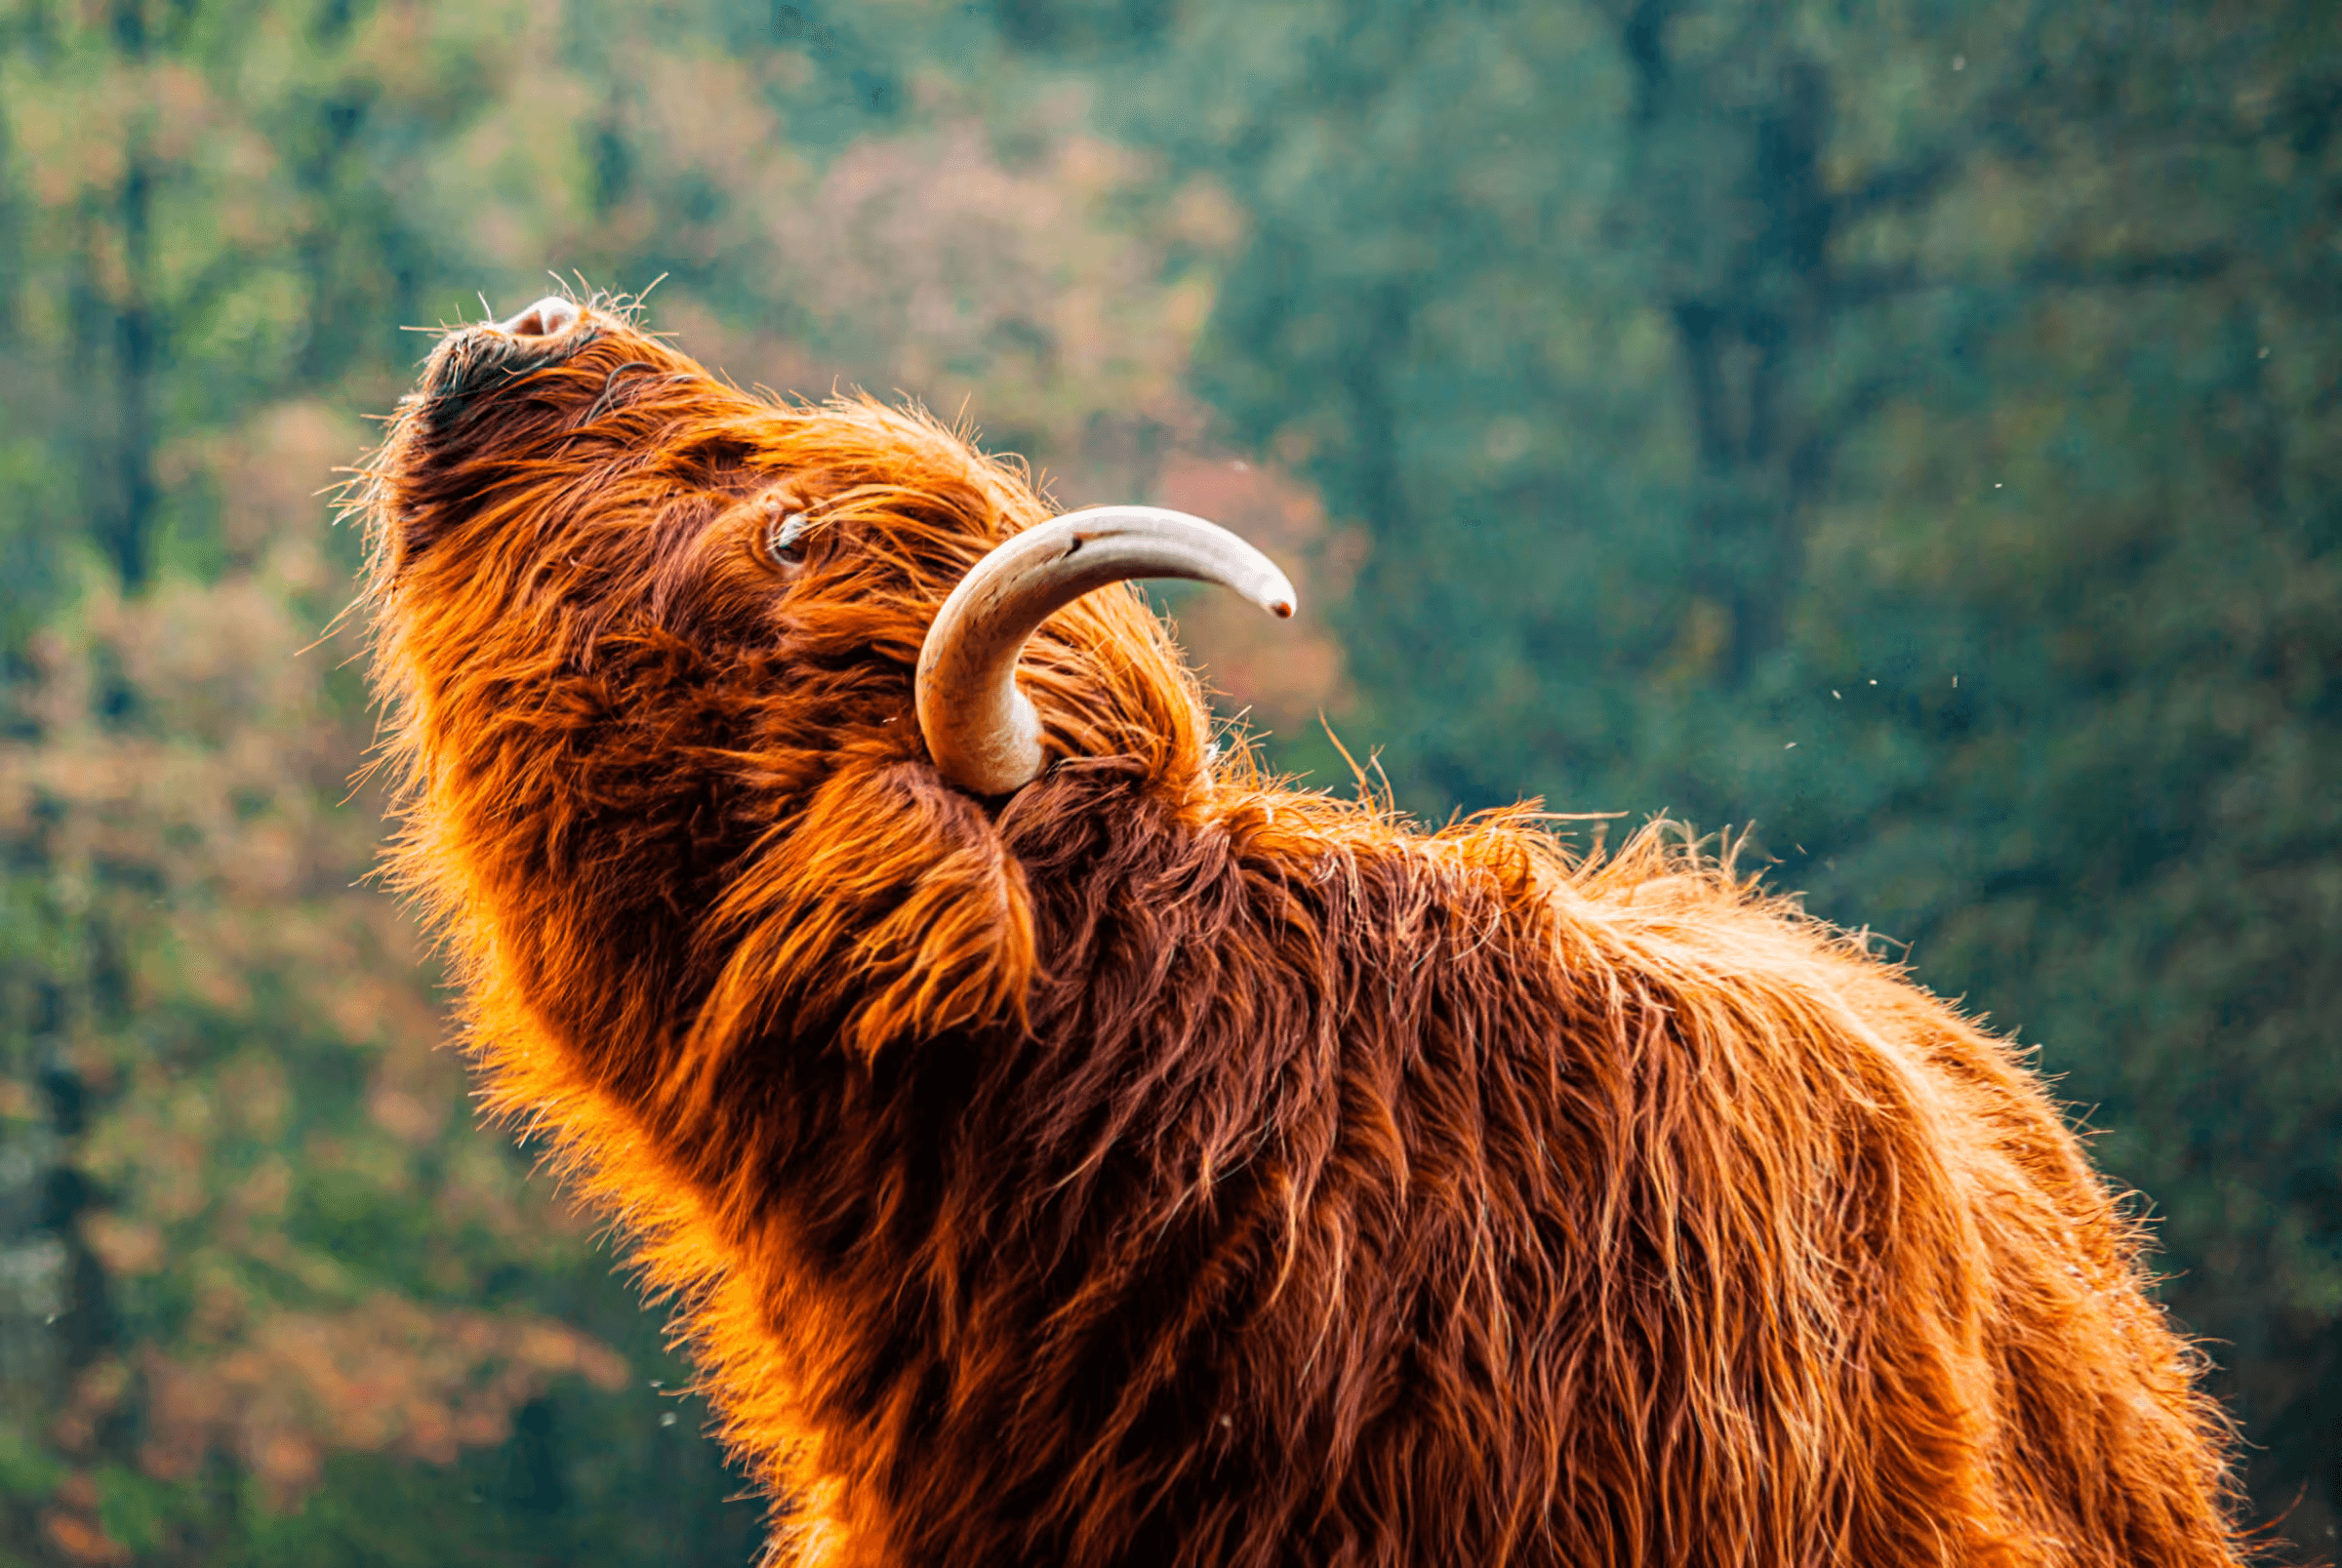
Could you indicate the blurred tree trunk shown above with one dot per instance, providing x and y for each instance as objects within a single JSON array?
[
  {"x": 117, "y": 324},
  {"x": 1723, "y": 184}
]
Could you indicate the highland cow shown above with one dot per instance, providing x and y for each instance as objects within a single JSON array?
[{"x": 1070, "y": 1146}]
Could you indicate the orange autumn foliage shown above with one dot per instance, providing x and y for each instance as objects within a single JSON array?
[
  {"x": 388, "y": 1376},
  {"x": 180, "y": 779},
  {"x": 1165, "y": 1166}
]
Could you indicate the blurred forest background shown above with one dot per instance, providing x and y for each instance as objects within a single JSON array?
[{"x": 1913, "y": 428}]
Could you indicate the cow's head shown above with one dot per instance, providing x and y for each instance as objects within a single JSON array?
[{"x": 635, "y": 623}]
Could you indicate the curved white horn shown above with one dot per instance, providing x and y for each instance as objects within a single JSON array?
[{"x": 981, "y": 730}]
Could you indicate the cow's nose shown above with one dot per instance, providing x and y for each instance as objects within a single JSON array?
[{"x": 548, "y": 317}]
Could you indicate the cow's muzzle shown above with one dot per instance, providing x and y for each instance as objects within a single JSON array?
[{"x": 470, "y": 365}]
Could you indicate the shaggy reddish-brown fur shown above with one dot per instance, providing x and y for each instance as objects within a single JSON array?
[{"x": 1166, "y": 1167}]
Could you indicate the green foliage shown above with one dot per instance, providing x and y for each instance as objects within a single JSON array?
[{"x": 1909, "y": 429}]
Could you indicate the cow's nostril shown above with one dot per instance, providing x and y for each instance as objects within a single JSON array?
[{"x": 548, "y": 317}]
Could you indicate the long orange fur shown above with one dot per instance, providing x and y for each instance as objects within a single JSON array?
[{"x": 1170, "y": 1168}]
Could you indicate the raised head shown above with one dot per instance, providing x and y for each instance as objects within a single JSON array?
[
  {"x": 638, "y": 628},
  {"x": 564, "y": 491}
]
